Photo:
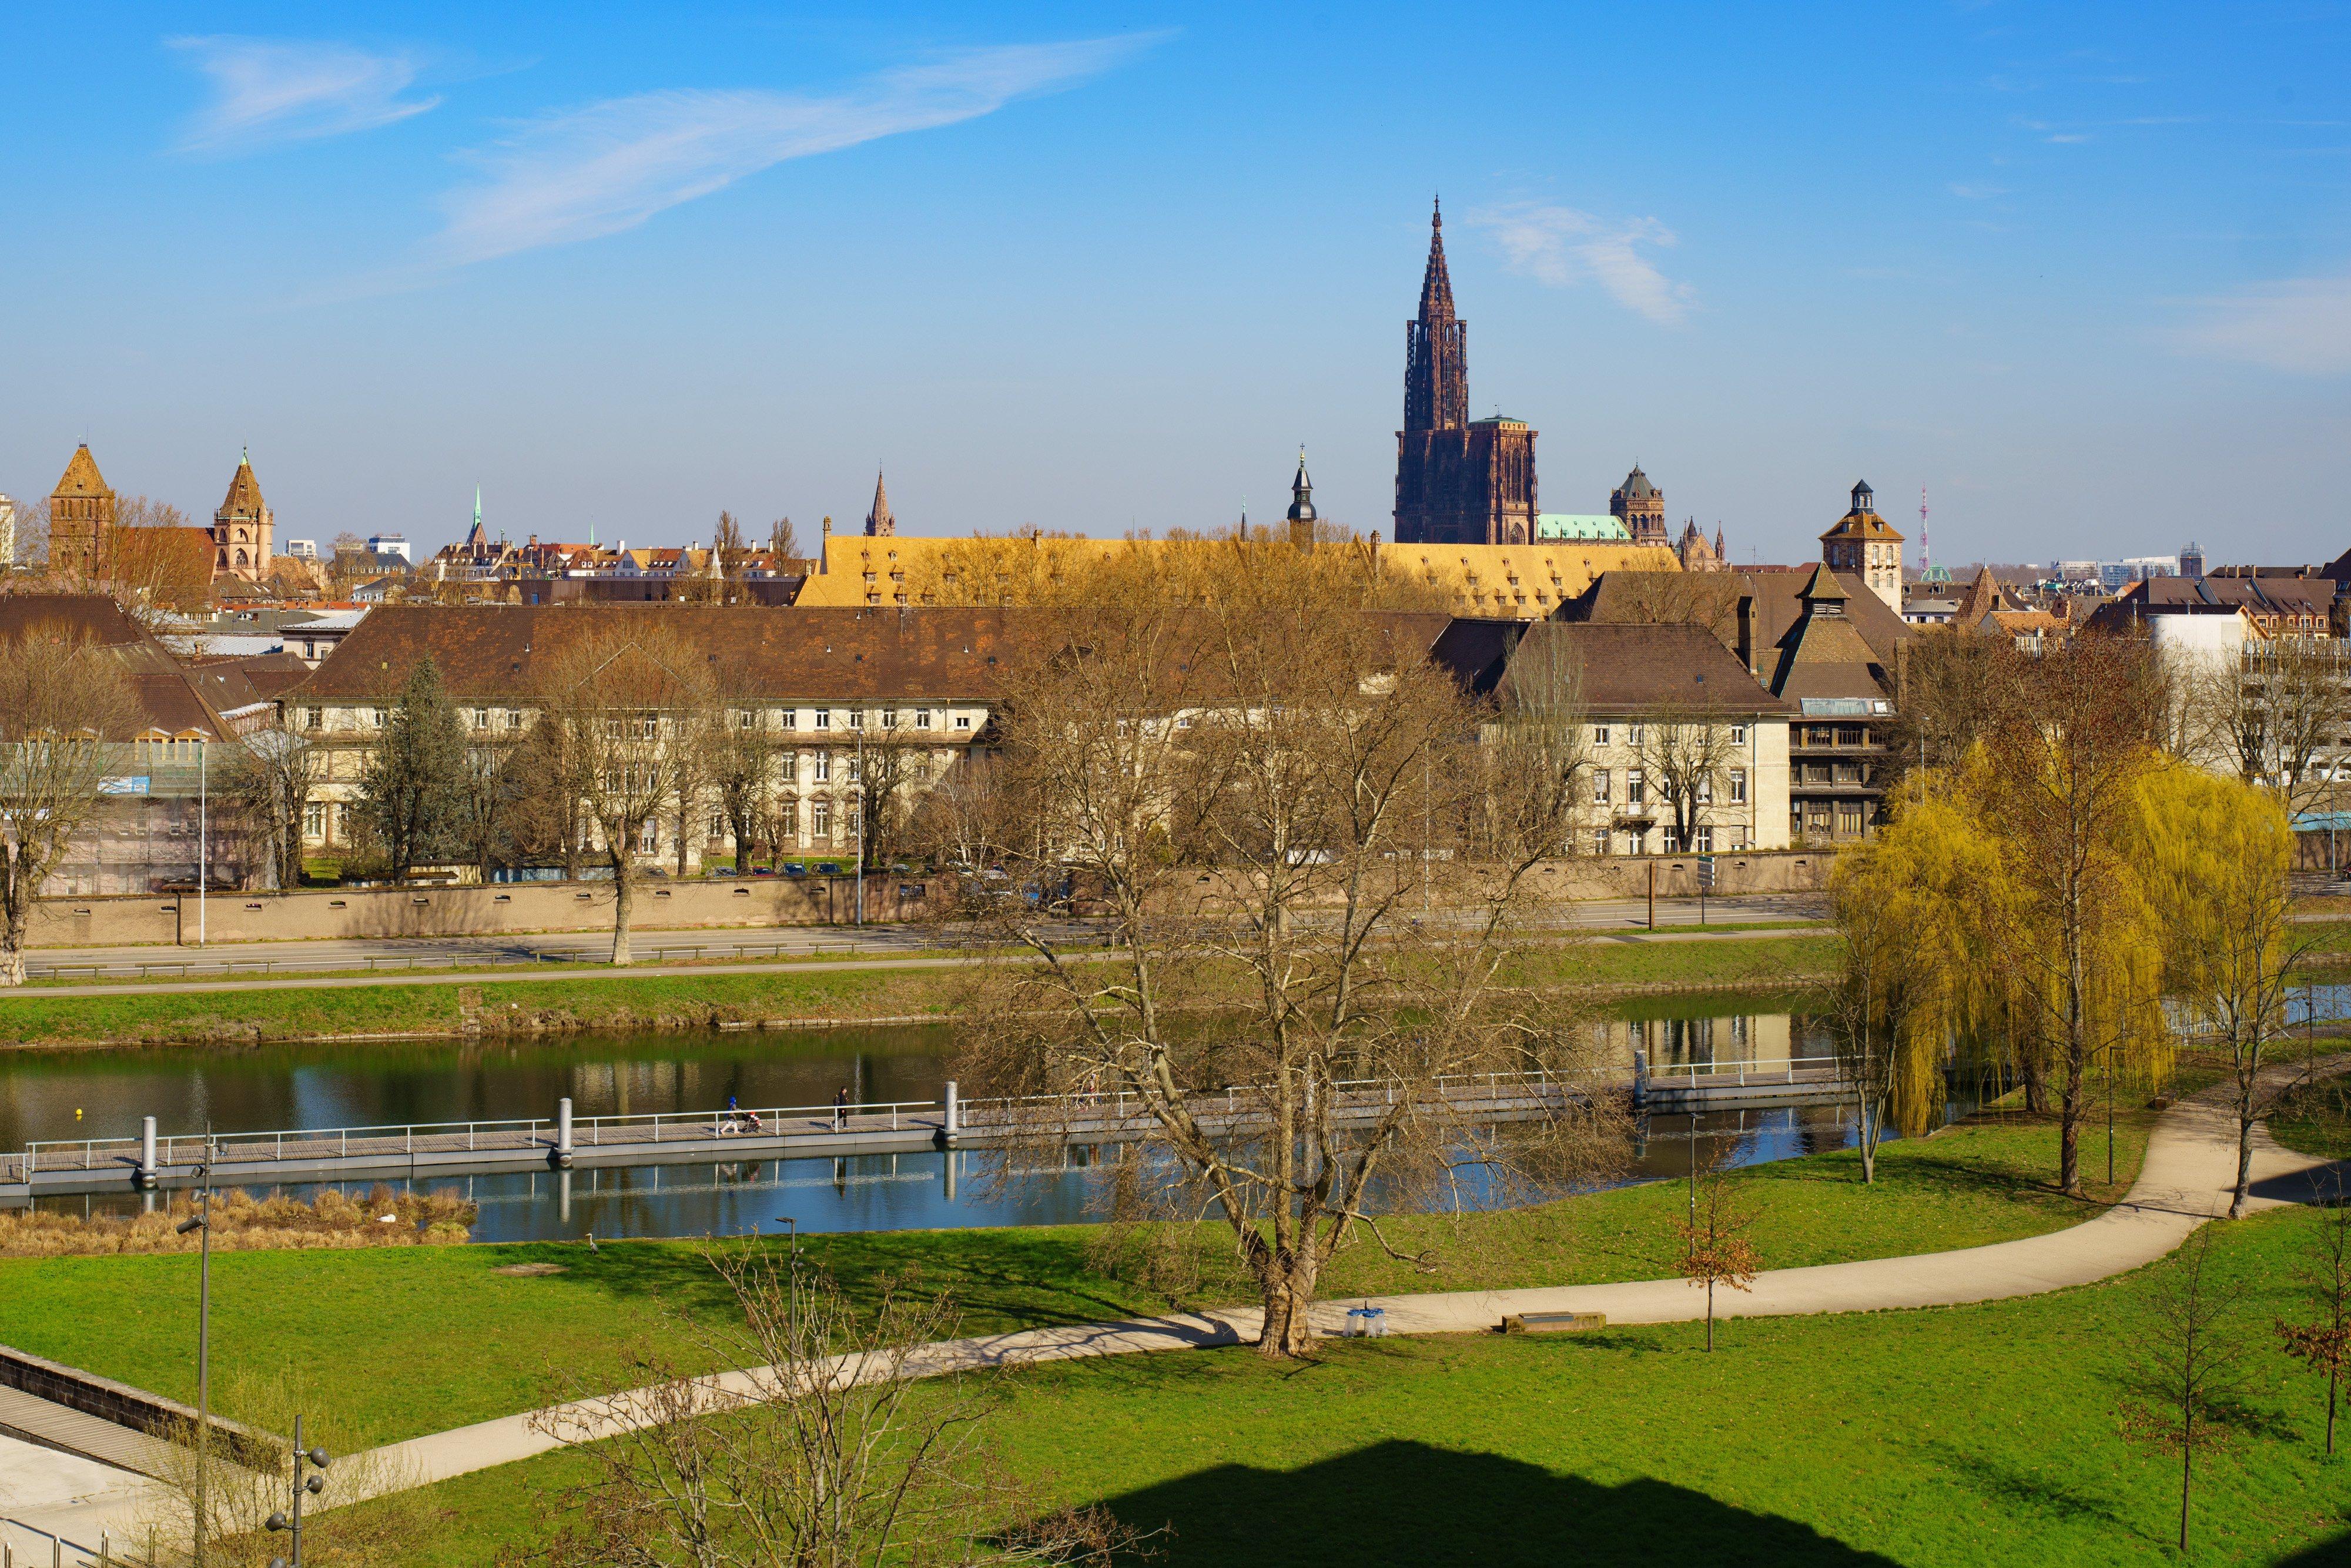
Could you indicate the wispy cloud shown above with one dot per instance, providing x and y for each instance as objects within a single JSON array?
[
  {"x": 612, "y": 165},
  {"x": 1975, "y": 192},
  {"x": 2302, "y": 325},
  {"x": 1564, "y": 247},
  {"x": 268, "y": 91}
]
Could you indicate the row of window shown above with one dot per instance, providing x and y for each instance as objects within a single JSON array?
[
  {"x": 1638, "y": 733},
  {"x": 486, "y": 718},
  {"x": 1636, "y": 787},
  {"x": 1703, "y": 840},
  {"x": 784, "y": 820}
]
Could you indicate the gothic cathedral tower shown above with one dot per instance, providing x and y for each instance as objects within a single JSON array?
[
  {"x": 1459, "y": 481},
  {"x": 242, "y": 529}
]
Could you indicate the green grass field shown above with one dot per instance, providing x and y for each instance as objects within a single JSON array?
[
  {"x": 470, "y": 1343},
  {"x": 713, "y": 996},
  {"x": 1986, "y": 1435}
]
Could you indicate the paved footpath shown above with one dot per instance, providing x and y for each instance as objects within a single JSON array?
[{"x": 2184, "y": 1180}]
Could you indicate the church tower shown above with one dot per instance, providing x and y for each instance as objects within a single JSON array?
[
  {"x": 879, "y": 522},
  {"x": 82, "y": 515},
  {"x": 1459, "y": 481},
  {"x": 1302, "y": 504},
  {"x": 1865, "y": 544},
  {"x": 1640, "y": 505},
  {"x": 241, "y": 528}
]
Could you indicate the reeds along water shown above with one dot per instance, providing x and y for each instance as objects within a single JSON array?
[{"x": 381, "y": 1216}]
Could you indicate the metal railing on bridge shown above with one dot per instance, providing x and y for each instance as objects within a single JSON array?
[{"x": 1105, "y": 1110}]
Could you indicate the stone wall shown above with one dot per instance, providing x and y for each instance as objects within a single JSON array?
[
  {"x": 719, "y": 904},
  {"x": 127, "y": 1407}
]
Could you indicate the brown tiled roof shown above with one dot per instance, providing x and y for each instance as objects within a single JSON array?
[
  {"x": 167, "y": 696},
  {"x": 244, "y": 493},
  {"x": 489, "y": 652},
  {"x": 1862, "y": 526},
  {"x": 1773, "y": 596},
  {"x": 269, "y": 675},
  {"x": 1624, "y": 668},
  {"x": 1824, "y": 654},
  {"x": 82, "y": 476}
]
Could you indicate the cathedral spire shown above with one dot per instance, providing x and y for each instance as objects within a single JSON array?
[
  {"x": 1435, "y": 284},
  {"x": 1436, "y": 348},
  {"x": 878, "y": 521}
]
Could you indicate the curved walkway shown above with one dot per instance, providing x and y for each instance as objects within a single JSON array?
[{"x": 2184, "y": 1180}]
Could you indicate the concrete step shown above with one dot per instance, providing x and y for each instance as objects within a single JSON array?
[{"x": 36, "y": 1420}]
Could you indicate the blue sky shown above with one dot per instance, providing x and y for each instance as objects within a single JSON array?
[{"x": 2083, "y": 272}]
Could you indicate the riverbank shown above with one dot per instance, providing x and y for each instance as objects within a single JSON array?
[
  {"x": 720, "y": 995},
  {"x": 528, "y": 1311}
]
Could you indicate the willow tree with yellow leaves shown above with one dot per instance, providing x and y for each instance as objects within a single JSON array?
[
  {"x": 2214, "y": 856},
  {"x": 2007, "y": 899},
  {"x": 1902, "y": 902}
]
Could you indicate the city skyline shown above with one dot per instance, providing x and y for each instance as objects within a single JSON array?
[{"x": 1095, "y": 274}]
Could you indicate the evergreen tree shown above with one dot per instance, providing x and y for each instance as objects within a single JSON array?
[{"x": 412, "y": 790}]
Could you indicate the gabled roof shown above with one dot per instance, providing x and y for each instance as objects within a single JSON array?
[
  {"x": 1621, "y": 669},
  {"x": 1984, "y": 595},
  {"x": 168, "y": 697},
  {"x": 1862, "y": 526},
  {"x": 82, "y": 476},
  {"x": 1824, "y": 654},
  {"x": 1712, "y": 599}
]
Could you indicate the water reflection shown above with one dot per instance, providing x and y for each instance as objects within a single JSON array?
[{"x": 52, "y": 1094}]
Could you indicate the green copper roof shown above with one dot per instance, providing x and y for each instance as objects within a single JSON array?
[{"x": 1578, "y": 525}]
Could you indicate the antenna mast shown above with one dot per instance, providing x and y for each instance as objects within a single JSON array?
[{"x": 1925, "y": 556}]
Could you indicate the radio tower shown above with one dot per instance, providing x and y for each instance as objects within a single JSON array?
[{"x": 1925, "y": 556}]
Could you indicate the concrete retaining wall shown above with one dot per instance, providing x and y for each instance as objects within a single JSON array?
[
  {"x": 719, "y": 903},
  {"x": 127, "y": 1407}
]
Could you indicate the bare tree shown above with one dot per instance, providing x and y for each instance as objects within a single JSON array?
[
  {"x": 743, "y": 774},
  {"x": 960, "y": 818},
  {"x": 487, "y": 799},
  {"x": 276, "y": 770},
  {"x": 1950, "y": 687},
  {"x": 1685, "y": 752},
  {"x": 783, "y": 540},
  {"x": 849, "y": 1441},
  {"x": 65, "y": 708},
  {"x": 1246, "y": 787},
  {"x": 2187, "y": 1368},
  {"x": 1715, "y": 1246},
  {"x": 629, "y": 703},
  {"x": 2277, "y": 713},
  {"x": 2323, "y": 1341},
  {"x": 546, "y": 819}
]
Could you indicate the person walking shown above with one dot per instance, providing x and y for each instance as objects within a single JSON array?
[{"x": 840, "y": 1109}]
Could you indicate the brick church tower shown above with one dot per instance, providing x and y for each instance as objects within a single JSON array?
[
  {"x": 81, "y": 515},
  {"x": 1458, "y": 480},
  {"x": 1640, "y": 505},
  {"x": 241, "y": 528}
]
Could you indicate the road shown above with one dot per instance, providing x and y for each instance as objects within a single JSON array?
[{"x": 399, "y": 953}]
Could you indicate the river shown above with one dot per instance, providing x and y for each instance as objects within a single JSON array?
[{"x": 49, "y": 1094}]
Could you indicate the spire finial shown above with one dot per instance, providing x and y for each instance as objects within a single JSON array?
[{"x": 1437, "y": 213}]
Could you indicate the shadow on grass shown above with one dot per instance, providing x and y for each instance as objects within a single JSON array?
[
  {"x": 2333, "y": 1554},
  {"x": 1396, "y": 1503}
]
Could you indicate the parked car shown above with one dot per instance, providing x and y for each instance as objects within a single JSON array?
[
  {"x": 828, "y": 868},
  {"x": 795, "y": 869}
]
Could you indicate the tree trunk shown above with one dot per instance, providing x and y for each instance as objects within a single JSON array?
[
  {"x": 2187, "y": 1481},
  {"x": 2069, "y": 1133},
  {"x": 1709, "y": 1317},
  {"x": 1289, "y": 1331},
  {"x": 2334, "y": 1380},
  {"x": 2244, "y": 1158},
  {"x": 12, "y": 952},
  {"x": 620, "y": 890}
]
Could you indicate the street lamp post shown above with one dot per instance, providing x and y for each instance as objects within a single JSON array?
[
  {"x": 202, "y": 1222},
  {"x": 860, "y": 819},
  {"x": 795, "y": 1284},
  {"x": 313, "y": 1486},
  {"x": 203, "y": 830}
]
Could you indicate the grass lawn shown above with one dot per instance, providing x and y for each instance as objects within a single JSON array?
[
  {"x": 411, "y": 1340},
  {"x": 2315, "y": 1119},
  {"x": 1985, "y": 1435},
  {"x": 715, "y": 996}
]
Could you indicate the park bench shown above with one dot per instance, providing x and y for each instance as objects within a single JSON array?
[{"x": 1555, "y": 1323}]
